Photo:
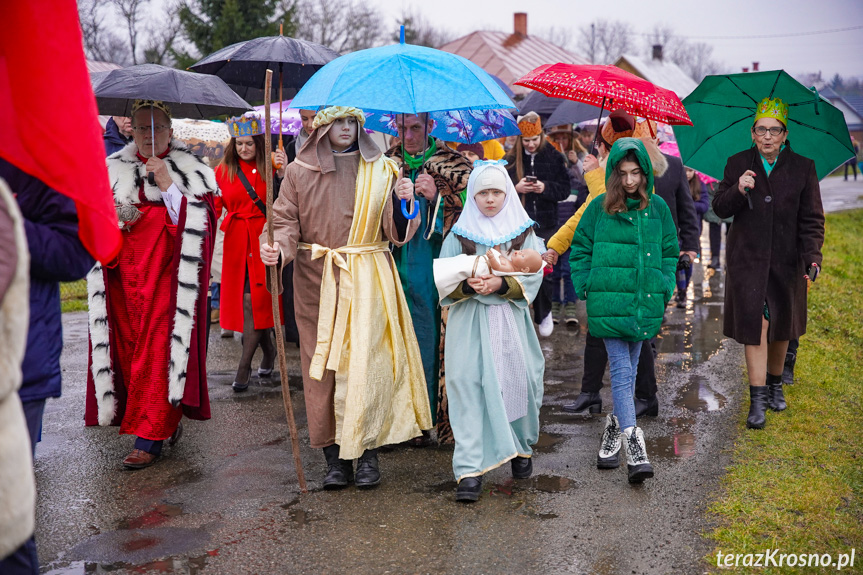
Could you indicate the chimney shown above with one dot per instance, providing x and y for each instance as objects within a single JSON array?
[
  {"x": 754, "y": 66},
  {"x": 657, "y": 52},
  {"x": 520, "y": 26},
  {"x": 745, "y": 70}
]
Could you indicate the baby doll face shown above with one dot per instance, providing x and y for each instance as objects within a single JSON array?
[
  {"x": 526, "y": 261},
  {"x": 343, "y": 133},
  {"x": 490, "y": 201}
]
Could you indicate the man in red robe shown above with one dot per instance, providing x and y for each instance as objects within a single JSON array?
[{"x": 148, "y": 307}]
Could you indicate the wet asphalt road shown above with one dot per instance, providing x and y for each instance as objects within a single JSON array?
[{"x": 225, "y": 500}]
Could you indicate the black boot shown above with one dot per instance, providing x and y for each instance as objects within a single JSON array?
[
  {"x": 585, "y": 400},
  {"x": 788, "y": 370},
  {"x": 339, "y": 471},
  {"x": 368, "y": 472},
  {"x": 757, "y": 407},
  {"x": 469, "y": 489},
  {"x": 775, "y": 395},
  {"x": 522, "y": 467},
  {"x": 648, "y": 407}
]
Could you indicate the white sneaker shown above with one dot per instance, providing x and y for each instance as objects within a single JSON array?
[{"x": 546, "y": 326}]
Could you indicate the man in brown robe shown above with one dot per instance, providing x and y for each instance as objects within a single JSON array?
[{"x": 362, "y": 372}]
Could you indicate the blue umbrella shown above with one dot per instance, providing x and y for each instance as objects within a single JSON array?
[
  {"x": 403, "y": 79},
  {"x": 503, "y": 86},
  {"x": 465, "y": 126}
]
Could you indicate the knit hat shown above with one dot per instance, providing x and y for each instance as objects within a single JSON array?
[
  {"x": 475, "y": 148},
  {"x": 530, "y": 125},
  {"x": 490, "y": 180},
  {"x": 772, "y": 108}
]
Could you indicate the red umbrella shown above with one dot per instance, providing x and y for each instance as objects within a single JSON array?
[{"x": 607, "y": 86}]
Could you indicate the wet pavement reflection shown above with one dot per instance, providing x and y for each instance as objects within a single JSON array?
[{"x": 225, "y": 500}]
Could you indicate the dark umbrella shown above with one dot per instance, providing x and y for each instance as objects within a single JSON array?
[
  {"x": 190, "y": 95},
  {"x": 503, "y": 86},
  {"x": 244, "y": 65},
  {"x": 570, "y": 112}
]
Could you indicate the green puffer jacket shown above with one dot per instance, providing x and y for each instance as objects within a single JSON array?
[{"x": 623, "y": 265}]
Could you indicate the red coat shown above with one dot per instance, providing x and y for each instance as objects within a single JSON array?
[{"x": 243, "y": 225}]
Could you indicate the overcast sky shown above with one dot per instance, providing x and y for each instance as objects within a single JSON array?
[{"x": 840, "y": 52}]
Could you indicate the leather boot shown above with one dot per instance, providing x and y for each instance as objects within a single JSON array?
[
  {"x": 788, "y": 370},
  {"x": 589, "y": 400},
  {"x": 775, "y": 395},
  {"x": 368, "y": 472},
  {"x": 648, "y": 407},
  {"x": 340, "y": 472},
  {"x": 469, "y": 489},
  {"x": 522, "y": 467},
  {"x": 757, "y": 407},
  {"x": 637, "y": 464},
  {"x": 609, "y": 447}
]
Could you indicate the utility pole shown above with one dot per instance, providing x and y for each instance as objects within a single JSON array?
[{"x": 592, "y": 43}]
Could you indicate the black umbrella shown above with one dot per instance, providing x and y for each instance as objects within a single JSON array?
[
  {"x": 571, "y": 112},
  {"x": 244, "y": 65},
  {"x": 188, "y": 94},
  {"x": 539, "y": 103}
]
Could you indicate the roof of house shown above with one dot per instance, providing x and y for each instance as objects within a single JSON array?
[
  {"x": 662, "y": 73},
  {"x": 509, "y": 56}
]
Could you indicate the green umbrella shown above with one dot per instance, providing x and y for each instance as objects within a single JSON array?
[{"x": 722, "y": 109}]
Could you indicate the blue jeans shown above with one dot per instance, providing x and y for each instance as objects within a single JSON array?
[
  {"x": 622, "y": 366},
  {"x": 561, "y": 273}
]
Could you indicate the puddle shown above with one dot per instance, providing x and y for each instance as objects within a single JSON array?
[
  {"x": 156, "y": 516},
  {"x": 698, "y": 396},
  {"x": 694, "y": 340},
  {"x": 679, "y": 445},
  {"x": 301, "y": 517},
  {"x": 546, "y": 442},
  {"x": 139, "y": 546},
  {"x": 551, "y": 483},
  {"x": 174, "y": 565}
]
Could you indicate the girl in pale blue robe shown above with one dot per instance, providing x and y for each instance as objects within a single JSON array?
[{"x": 494, "y": 362}]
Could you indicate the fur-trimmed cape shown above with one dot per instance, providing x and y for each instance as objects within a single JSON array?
[{"x": 195, "y": 233}]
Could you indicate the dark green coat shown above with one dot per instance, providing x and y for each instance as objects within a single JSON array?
[{"x": 623, "y": 264}]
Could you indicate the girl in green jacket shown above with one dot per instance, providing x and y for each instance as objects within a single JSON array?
[{"x": 624, "y": 255}]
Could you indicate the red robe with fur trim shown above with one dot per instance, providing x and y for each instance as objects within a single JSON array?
[{"x": 148, "y": 307}]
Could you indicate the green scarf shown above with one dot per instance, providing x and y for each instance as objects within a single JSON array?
[{"x": 416, "y": 162}]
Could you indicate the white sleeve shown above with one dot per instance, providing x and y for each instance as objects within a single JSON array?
[{"x": 173, "y": 199}]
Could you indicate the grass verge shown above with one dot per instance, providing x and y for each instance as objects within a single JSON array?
[
  {"x": 797, "y": 485},
  {"x": 73, "y": 296}
]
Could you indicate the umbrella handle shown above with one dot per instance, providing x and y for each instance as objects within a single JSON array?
[
  {"x": 408, "y": 214},
  {"x": 151, "y": 177}
]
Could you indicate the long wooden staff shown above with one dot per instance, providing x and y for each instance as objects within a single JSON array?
[{"x": 274, "y": 292}]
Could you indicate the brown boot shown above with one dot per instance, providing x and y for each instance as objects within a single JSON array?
[{"x": 139, "y": 459}]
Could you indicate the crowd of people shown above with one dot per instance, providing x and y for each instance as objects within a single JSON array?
[{"x": 411, "y": 331}]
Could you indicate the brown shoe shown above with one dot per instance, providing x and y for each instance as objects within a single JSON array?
[
  {"x": 175, "y": 437},
  {"x": 139, "y": 459}
]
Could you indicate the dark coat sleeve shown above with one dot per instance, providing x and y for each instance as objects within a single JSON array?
[
  {"x": 728, "y": 201},
  {"x": 556, "y": 180},
  {"x": 56, "y": 252},
  {"x": 810, "y": 220},
  {"x": 687, "y": 219}
]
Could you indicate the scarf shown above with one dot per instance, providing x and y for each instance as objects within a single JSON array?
[
  {"x": 416, "y": 162},
  {"x": 496, "y": 230}
]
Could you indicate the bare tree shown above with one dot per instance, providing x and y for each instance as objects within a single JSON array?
[
  {"x": 162, "y": 36},
  {"x": 559, "y": 36},
  {"x": 128, "y": 10},
  {"x": 696, "y": 59},
  {"x": 419, "y": 31},
  {"x": 343, "y": 25},
  {"x": 605, "y": 41},
  {"x": 101, "y": 42}
]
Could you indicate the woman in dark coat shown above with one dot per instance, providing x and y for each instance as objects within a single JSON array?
[
  {"x": 541, "y": 180},
  {"x": 773, "y": 246}
]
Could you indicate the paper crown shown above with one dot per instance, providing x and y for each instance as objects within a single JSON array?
[
  {"x": 245, "y": 126},
  {"x": 530, "y": 125},
  {"x": 772, "y": 108}
]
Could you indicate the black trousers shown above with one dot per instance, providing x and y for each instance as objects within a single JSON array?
[{"x": 596, "y": 359}]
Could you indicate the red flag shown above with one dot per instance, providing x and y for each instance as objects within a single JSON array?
[{"x": 48, "y": 120}]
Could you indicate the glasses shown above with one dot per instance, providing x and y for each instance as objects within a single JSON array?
[
  {"x": 762, "y": 131},
  {"x": 158, "y": 128}
]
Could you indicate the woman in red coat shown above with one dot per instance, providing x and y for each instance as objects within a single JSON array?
[{"x": 245, "y": 302}]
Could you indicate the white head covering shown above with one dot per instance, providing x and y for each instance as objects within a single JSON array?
[{"x": 508, "y": 223}]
